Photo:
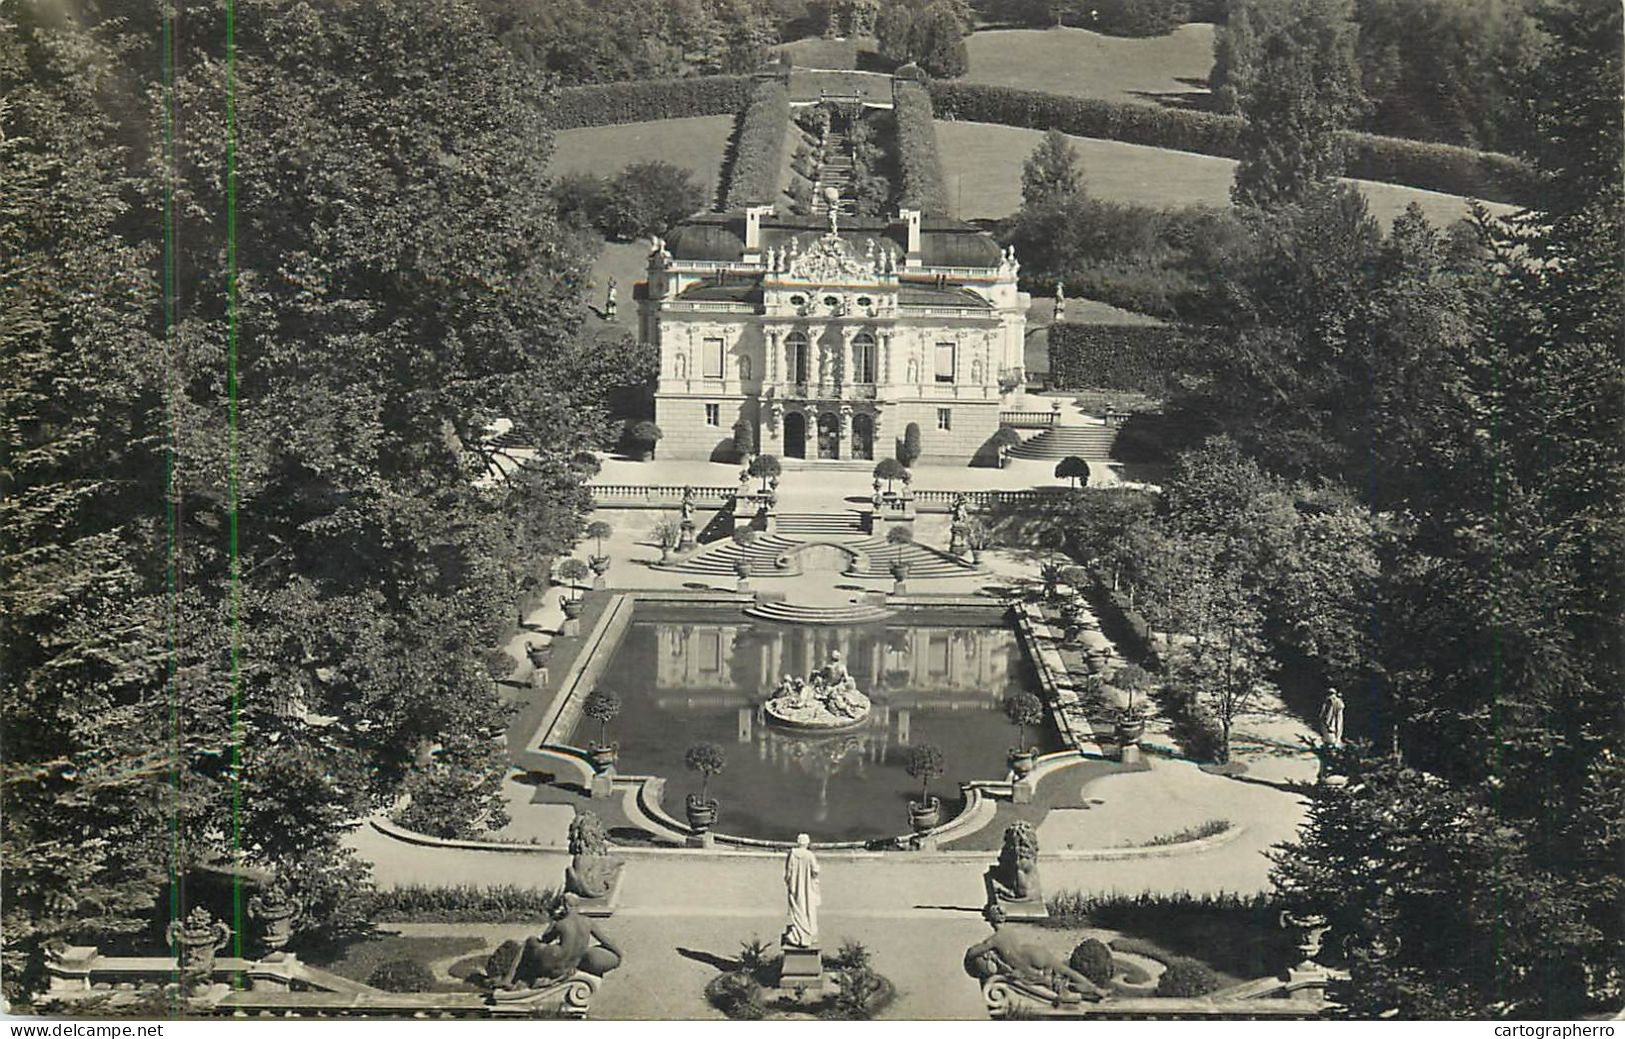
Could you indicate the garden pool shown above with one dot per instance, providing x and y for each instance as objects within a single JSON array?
[{"x": 687, "y": 676}]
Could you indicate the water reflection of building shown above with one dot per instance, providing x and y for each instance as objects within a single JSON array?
[
  {"x": 822, "y": 758},
  {"x": 913, "y": 666}
]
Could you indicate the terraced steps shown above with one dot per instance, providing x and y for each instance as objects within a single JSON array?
[
  {"x": 837, "y": 465},
  {"x": 818, "y": 524},
  {"x": 923, "y": 561},
  {"x": 804, "y": 613},
  {"x": 1092, "y": 443},
  {"x": 719, "y": 559}
]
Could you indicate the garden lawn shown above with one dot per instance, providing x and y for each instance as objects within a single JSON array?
[
  {"x": 358, "y": 959},
  {"x": 982, "y": 164},
  {"x": 696, "y": 144},
  {"x": 1081, "y": 63}
]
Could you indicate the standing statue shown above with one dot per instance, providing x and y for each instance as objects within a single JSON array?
[
  {"x": 1060, "y": 302},
  {"x": 961, "y": 513},
  {"x": 566, "y": 946},
  {"x": 1003, "y": 953},
  {"x": 801, "y": 893},
  {"x": 1014, "y": 878},
  {"x": 688, "y": 504},
  {"x": 609, "y": 301},
  {"x": 591, "y": 872},
  {"x": 1331, "y": 719}
]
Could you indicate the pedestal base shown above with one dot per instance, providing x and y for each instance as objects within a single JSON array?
[
  {"x": 1129, "y": 754},
  {"x": 1022, "y": 790},
  {"x": 570, "y": 628},
  {"x": 602, "y": 785},
  {"x": 1027, "y": 911},
  {"x": 604, "y": 905},
  {"x": 801, "y": 969},
  {"x": 702, "y": 840},
  {"x": 599, "y": 583}
]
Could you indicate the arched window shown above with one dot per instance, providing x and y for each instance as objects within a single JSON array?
[
  {"x": 863, "y": 358},
  {"x": 799, "y": 351}
]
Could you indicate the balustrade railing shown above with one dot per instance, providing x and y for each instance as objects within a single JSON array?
[
  {"x": 661, "y": 492},
  {"x": 982, "y": 499},
  {"x": 1027, "y": 419}
]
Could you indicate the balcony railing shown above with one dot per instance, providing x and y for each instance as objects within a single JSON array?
[{"x": 1027, "y": 419}]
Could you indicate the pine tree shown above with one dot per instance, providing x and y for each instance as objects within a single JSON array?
[{"x": 1053, "y": 174}]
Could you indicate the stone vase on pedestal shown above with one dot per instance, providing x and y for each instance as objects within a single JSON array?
[{"x": 196, "y": 940}]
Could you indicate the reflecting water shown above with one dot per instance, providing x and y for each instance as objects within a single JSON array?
[{"x": 686, "y": 681}]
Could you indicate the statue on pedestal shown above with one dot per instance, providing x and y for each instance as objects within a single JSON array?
[
  {"x": 801, "y": 895},
  {"x": 592, "y": 872},
  {"x": 1331, "y": 719}
]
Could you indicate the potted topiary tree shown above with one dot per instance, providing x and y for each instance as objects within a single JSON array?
[
  {"x": 571, "y": 573},
  {"x": 1072, "y": 468},
  {"x": 977, "y": 538},
  {"x": 898, "y": 537},
  {"x": 708, "y": 760},
  {"x": 765, "y": 468},
  {"x": 1023, "y": 709},
  {"x": 1132, "y": 679},
  {"x": 891, "y": 470},
  {"x": 602, "y": 706},
  {"x": 598, "y": 530},
  {"x": 925, "y": 763},
  {"x": 666, "y": 534},
  {"x": 644, "y": 436}
]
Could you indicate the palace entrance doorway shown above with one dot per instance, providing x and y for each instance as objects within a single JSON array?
[
  {"x": 795, "y": 435},
  {"x": 863, "y": 436}
]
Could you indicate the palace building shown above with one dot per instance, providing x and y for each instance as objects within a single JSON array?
[{"x": 830, "y": 338}]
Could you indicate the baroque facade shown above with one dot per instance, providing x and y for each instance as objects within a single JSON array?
[{"x": 829, "y": 340}]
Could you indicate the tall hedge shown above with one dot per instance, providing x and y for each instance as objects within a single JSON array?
[
  {"x": 758, "y": 158},
  {"x": 1420, "y": 164},
  {"x": 1117, "y": 357},
  {"x": 603, "y": 104},
  {"x": 924, "y": 187}
]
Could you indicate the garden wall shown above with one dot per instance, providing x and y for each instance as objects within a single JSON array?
[{"x": 1436, "y": 167}]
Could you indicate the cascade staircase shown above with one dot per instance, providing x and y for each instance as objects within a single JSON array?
[
  {"x": 787, "y": 612},
  {"x": 923, "y": 561}
]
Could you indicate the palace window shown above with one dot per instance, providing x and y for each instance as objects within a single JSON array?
[
  {"x": 797, "y": 347},
  {"x": 863, "y": 358},
  {"x": 713, "y": 414},
  {"x": 711, "y": 359},
  {"x": 945, "y": 362},
  {"x": 945, "y": 418}
]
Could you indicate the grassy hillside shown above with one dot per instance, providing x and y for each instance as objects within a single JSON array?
[
  {"x": 1086, "y": 64},
  {"x": 983, "y": 162},
  {"x": 695, "y": 144}
]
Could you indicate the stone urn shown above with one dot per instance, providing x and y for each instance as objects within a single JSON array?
[
  {"x": 599, "y": 564},
  {"x": 197, "y": 939},
  {"x": 925, "y": 816},
  {"x": 602, "y": 756},
  {"x": 742, "y": 568},
  {"x": 572, "y": 608},
  {"x": 272, "y": 912},
  {"x": 702, "y": 814},
  {"x": 1130, "y": 727},
  {"x": 1022, "y": 761}
]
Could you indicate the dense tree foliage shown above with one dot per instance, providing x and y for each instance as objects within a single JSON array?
[
  {"x": 1052, "y": 174},
  {"x": 1298, "y": 87},
  {"x": 253, "y": 567},
  {"x": 930, "y": 34}
]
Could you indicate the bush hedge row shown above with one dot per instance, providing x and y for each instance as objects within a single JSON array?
[
  {"x": 603, "y": 104},
  {"x": 758, "y": 156},
  {"x": 1420, "y": 164},
  {"x": 1117, "y": 357},
  {"x": 924, "y": 187}
]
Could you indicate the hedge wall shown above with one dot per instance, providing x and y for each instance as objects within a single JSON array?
[
  {"x": 758, "y": 156},
  {"x": 1438, "y": 167},
  {"x": 1118, "y": 357},
  {"x": 602, "y": 104},
  {"x": 924, "y": 186}
]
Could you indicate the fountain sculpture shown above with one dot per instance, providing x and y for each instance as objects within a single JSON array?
[{"x": 827, "y": 700}]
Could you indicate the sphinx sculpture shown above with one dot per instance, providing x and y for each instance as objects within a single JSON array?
[
  {"x": 1045, "y": 974},
  {"x": 592, "y": 872}
]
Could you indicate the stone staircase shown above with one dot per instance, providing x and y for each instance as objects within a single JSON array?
[
  {"x": 719, "y": 559},
  {"x": 837, "y": 465},
  {"x": 1092, "y": 443},
  {"x": 923, "y": 561},
  {"x": 803, "y": 613},
  {"x": 835, "y": 172},
  {"x": 842, "y": 523}
]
